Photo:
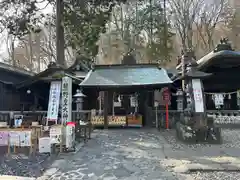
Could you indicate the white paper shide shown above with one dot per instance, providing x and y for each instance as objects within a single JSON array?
[{"x": 218, "y": 99}]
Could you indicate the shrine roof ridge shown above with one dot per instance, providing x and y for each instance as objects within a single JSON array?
[{"x": 119, "y": 66}]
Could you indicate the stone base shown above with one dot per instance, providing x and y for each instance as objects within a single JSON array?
[
  {"x": 214, "y": 135},
  {"x": 188, "y": 134}
]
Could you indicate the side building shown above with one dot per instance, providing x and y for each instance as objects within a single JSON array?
[{"x": 10, "y": 98}]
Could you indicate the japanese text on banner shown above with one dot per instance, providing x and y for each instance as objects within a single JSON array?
[
  {"x": 54, "y": 98},
  {"x": 66, "y": 99}
]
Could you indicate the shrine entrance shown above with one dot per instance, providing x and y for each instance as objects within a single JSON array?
[{"x": 124, "y": 92}]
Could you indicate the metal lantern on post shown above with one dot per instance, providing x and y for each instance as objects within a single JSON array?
[{"x": 79, "y": 96}]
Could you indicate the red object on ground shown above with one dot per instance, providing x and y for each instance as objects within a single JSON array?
[{"x": 71, "y": 124}]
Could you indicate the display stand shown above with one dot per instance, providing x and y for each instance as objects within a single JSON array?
[
  {"x": 17, "y": 139},
  {"x": 131, "y": 120}
]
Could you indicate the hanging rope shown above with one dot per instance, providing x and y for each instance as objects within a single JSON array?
[{"x": 234, "y": 92}]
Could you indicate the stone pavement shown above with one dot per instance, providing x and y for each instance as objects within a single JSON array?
[
  {"x": 139, "y": 154},
  {"x": 123, "y": 154}
]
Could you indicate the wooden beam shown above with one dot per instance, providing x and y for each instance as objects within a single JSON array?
[{"x": 105, "y": 109}]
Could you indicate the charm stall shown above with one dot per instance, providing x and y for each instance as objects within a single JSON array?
[
  {"x": 22, "y": 137},
  {"x": 18, "y": 140}
]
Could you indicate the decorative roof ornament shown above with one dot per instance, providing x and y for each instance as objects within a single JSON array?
[
  {"x": 191, "y": 67},
  {"x": 224, "y": 45},
  {"x": 52, "y": 64},
  {"x": 79, "y": 94},
  {"x": 129, "y": 58}
]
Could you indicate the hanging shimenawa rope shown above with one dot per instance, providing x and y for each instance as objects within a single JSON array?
[{"x": 233, "y": 92}]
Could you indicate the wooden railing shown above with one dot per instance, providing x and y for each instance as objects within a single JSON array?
[{"x": 40, "y": 115}]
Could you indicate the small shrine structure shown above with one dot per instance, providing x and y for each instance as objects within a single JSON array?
[{"x": 125, "y": 91}]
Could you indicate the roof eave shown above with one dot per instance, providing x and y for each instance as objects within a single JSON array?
[{"x": 206, "y": 60}]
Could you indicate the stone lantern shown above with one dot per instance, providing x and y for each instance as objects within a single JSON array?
[
  {"x": 179, "y": 100},
  {"x": 194, "y": 124}
]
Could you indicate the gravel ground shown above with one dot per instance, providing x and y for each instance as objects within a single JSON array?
[
  {"x": 231, "y": 140},
  {"x": 216, "y": 176},
  {"x": 22, "y": 165}
]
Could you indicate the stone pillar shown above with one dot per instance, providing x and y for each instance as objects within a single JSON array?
[{"x": 180, "y": 100}]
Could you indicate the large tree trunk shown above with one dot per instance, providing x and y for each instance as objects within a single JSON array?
[
  {"x": 60, "y": 33},
  {"x": 38, "y": 42},
  {"x": 14, "y": 63},
  {"x": 30, "y": 44}
]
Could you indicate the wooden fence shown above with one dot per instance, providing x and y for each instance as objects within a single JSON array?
[
  {"x": 40, "y": 115},
  {"x": 224, "y": 118}
]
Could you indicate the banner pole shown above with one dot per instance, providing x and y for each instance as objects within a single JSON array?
[{"x": 156, "y": 117}]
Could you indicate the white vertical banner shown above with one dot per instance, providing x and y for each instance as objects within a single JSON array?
[
  {"x": 66, "y": 99},
  {"x": 70, "y": 136},
  {"x": 198, "y": 95},
  {"x": 54, "y": 100}
]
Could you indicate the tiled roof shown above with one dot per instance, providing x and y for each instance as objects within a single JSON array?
[{"x": 126, "y": 75}]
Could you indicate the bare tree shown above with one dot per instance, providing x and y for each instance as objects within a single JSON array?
[
  {"x": 10, "y": 44},
  {"x": 48, "y": 47},
  {"x": 211, "y": 14},
  {"x": 122, "y": 34},
  {"x": 36, "y": 50},
  {"x": 233, "y": 28},
  {"x": 184, "y": 15},
  {"x": 125, "y": 20},
  {"x": 140, "y": 29}
]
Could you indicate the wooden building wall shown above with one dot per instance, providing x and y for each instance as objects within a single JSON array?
[{"x": 10, "y": 98}]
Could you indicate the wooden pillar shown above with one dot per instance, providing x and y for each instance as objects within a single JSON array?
[
  {"x": 105, "y": 109},
  {"x": 35, "y": 102},
  {"x": 146, "y": 115}
]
